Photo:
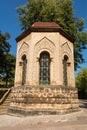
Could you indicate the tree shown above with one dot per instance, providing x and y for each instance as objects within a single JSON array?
[
  {"x": 4, "y": 48},
  {"x": 81, "y": 83},
  {"x": 8, "y": 69},
  {"x": 7, "y": 61},
  {"x": 61, "y": 12},
  {"x": 4, "y": 45}
]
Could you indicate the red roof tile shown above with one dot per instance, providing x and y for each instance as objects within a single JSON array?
[
  {"x": 45, "y": 24},
  {"x": 45, "y": 27}
]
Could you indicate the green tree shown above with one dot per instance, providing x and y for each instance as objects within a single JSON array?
[
  {"x": 7, "y": 61},
  {"x": 61, "y": 12},
  {"x": 4, "y": 45},
  {"x": 8, "y": 70},
  {"x": 4, "y": 48},
  {"x": 81, "y": 83}
]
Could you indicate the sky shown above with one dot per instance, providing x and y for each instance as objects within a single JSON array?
[{"x": 9, "y": 20}]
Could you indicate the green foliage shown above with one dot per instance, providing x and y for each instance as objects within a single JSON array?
[
  {"x": 61, "y": 12},
  {"x": 4, "y": 44},
  {"x": 9, "y": 69},
  {"x": 81, "y": 83},
  {"x": 7, "y": 61}
]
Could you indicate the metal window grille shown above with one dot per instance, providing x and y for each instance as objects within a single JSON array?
[
  {"x": 44, "y": 76},
  {"x": 65, "y": 70},
  {"x": 24, "y": 65}
]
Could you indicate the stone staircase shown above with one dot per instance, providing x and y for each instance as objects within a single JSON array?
[{"x": 4, "y": 104}]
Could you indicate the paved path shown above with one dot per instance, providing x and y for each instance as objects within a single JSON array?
[{"x": 73, "y": 121}]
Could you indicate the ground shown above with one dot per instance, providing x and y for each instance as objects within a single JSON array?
[{"x": 72, "y": 121}]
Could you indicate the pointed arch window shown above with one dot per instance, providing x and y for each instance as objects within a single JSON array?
[
  {"x": 44, "y": 76},
  {"x": 65, "y": 79},
  {"x": 24, "y": 66}
]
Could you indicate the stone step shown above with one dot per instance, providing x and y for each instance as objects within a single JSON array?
[
  {"x": 3, "y": 108},
  {"x": 3, "y": 111},
  {"x": 6, "y": 101},
  {"x": 5, "y": 104}
]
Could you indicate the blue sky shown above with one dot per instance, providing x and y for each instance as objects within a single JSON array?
[
  {"x": 9, "y": 20},
  {"x": 80, "y": 7}
]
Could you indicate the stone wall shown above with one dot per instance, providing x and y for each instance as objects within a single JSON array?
[
  {"x": 30, "y": 100},
  {"x": 36, "y": 43}
]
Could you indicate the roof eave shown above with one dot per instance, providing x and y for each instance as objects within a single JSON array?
[{"x": 45, "y": 29}]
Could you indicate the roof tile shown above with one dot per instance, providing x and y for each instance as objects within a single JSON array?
[{"x": 45, "y": 24}]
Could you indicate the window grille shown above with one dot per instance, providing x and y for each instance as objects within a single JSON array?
[
  {"x": 44, "y": 76},
  {"x": 65, "y": 82},
  {"x": 24, "y": 65}
]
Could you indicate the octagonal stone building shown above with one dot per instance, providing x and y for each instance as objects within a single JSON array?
[{"x": 44, "y": 76}]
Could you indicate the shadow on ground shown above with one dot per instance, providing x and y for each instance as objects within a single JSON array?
[{"x": 83, "y": 103}]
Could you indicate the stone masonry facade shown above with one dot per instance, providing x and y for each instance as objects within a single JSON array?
[
  {"x": 43, "y": 100},
  {"x": 30, "y": 95}
]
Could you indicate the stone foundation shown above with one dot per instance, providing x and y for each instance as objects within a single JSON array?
[{"x": 36, "y": 100}]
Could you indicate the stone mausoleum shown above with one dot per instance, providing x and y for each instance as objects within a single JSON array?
[{"x": 44, "y": 76}]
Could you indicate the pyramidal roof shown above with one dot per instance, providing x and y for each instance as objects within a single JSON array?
[
  {"x": 45, "y": 24},
  {"x": 45, "y": 27}
]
